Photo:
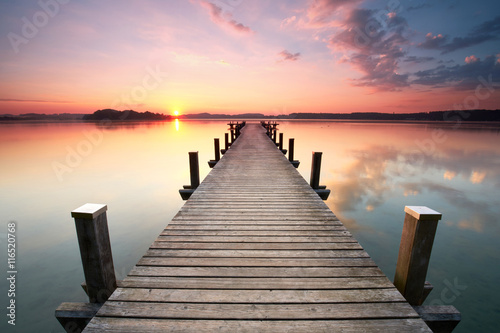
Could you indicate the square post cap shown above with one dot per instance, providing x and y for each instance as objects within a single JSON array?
[
  {"x": 89, "y": 211},
  {"x": 423, "y": 213}
]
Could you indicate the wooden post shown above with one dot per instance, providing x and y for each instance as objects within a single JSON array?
[
  {"x": 291, "y": 143},
  {"x": 274, "y": 135},
  {"x": 95, "y": 250},
  {"x": 419, "y": 229},
  {"x": 217, "y": 149},
  {"x": 212, "y": 163},
  {"x": 194, "y": 169},
  {"x": 280, "y": 143},
  {"x": 232, "y": 135},
  {"x": 315, "y": 169}
]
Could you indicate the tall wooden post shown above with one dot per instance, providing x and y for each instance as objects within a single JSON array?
[
  {"x": 194, "y": 169},
  {"x": 212, "y": 163},
  {"x": 415, "y": 249},
  {"x": 217, "y": 149},
  {"x": 291, "y": 143},
  {"x": 95, "y": 250},
  {"x": 274, "y": 135},
  {"x": 315, "y": 169},
  {"x": 280, "y": 143}
]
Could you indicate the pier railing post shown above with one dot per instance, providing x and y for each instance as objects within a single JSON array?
[
  {"x": 217, "y": 149},
  {"x": 280, "y": 142},
  {"x": 212, "y": 163},
  {"x": 291, "y": 151},
  {"x": 315, "y": 169},
  {"x": 315, "y": 172},
  {"x": 226, "y": 142},
  {"x": 95, "y": 250},
  {"x": 194, "y": 169},
  {"x": 194, "y": 174},
  {"x": 419, "y": 229}
]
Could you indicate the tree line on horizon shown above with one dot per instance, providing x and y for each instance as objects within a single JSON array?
[{"x": 131, "y": 115}]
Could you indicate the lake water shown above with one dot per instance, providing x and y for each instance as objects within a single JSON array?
[{"x": 373, "y": 169}]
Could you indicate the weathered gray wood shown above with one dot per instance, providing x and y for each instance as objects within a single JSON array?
[
  {"x": 258, "y": 311},
  {"x": 257, "y": 296},
  {"x": 95, "y": 251},
  {"x": 254, "y": 239},
  {"x": 133, "y": 325},
  {"x": 271, "y": 272},
  {"x": 256, "y": 283},
  {"x": 249, "y": 262},
  {"x": 440, "y": 319},
  {"x": 73, "y": 317},
  {"x": 259, "y": 253},
  {"x": 415, "y": 252},
  {"x": 255, "y": 246}
]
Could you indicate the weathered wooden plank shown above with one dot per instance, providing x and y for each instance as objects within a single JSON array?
[
  {"x": 257, "y": 296},
  {"x": 253, "y": 227},
  {"x": 249, "y": 262},
  {"x": 256, "y": 246},
  {"x": 134, "y": 325},
  {"x": 256, "y": 239},
  {"x": 259, "y": 253},
  {"x": 318, "y": 233},
  {"x": 270, "y": 272},
  {"x": 340, "y": 311},
  {"x": 256, "y": 283}
]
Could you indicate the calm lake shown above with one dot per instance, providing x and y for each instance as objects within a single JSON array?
[{"x": 373, "y": 169}]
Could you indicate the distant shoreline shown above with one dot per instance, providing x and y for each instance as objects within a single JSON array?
[{"x": 134, "y": 116}]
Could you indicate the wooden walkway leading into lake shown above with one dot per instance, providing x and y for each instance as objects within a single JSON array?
[{"x": 256, "y": 250}]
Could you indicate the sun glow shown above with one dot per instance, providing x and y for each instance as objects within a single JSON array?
[{"x": 176, "y": 113}]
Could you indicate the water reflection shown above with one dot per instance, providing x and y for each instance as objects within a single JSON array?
[{"x": 379, "y": 173}]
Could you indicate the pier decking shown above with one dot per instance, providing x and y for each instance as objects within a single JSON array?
[{"x": 255, "y": 249}]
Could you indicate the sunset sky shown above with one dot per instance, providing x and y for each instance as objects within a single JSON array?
[{"x": 234, "y": 56}]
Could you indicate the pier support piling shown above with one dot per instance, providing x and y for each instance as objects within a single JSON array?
[
  {"x": 212, "y": 163},
  {"x": 315, "y": 172},
  {"x": 419, "y": 229},
  {"x": 291, "y": 151},
  {"x": 226, "y": 143},
  {"x": 95, "y": 250},
  {"x": 194, "y": 171}
]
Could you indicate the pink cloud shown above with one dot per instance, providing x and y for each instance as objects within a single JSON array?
[
  {"x": 321, "y": 11},
  {"x": 471, "y": 59},
  {"x": 224, "y": 20},
  {"x": 288, "y": 21}
]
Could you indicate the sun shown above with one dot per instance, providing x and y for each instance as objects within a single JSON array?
[{"x": 176, "y": 113}]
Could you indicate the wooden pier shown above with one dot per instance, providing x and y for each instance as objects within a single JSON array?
[{"x": 255, "y": 249}]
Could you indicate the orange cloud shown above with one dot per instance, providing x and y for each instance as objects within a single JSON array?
[
  {"x": 449, "y": 175},
  {"x": 477, "y": 177}
]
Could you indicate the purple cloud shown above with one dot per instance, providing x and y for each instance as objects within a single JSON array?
[
  {"x": 376, "y": 46},
  {"x": 286, "y": 55},
  {"x": 224, "y": 19},
  {"x": 487, "y": 31},
  {"x": 461, "y": 77}
]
